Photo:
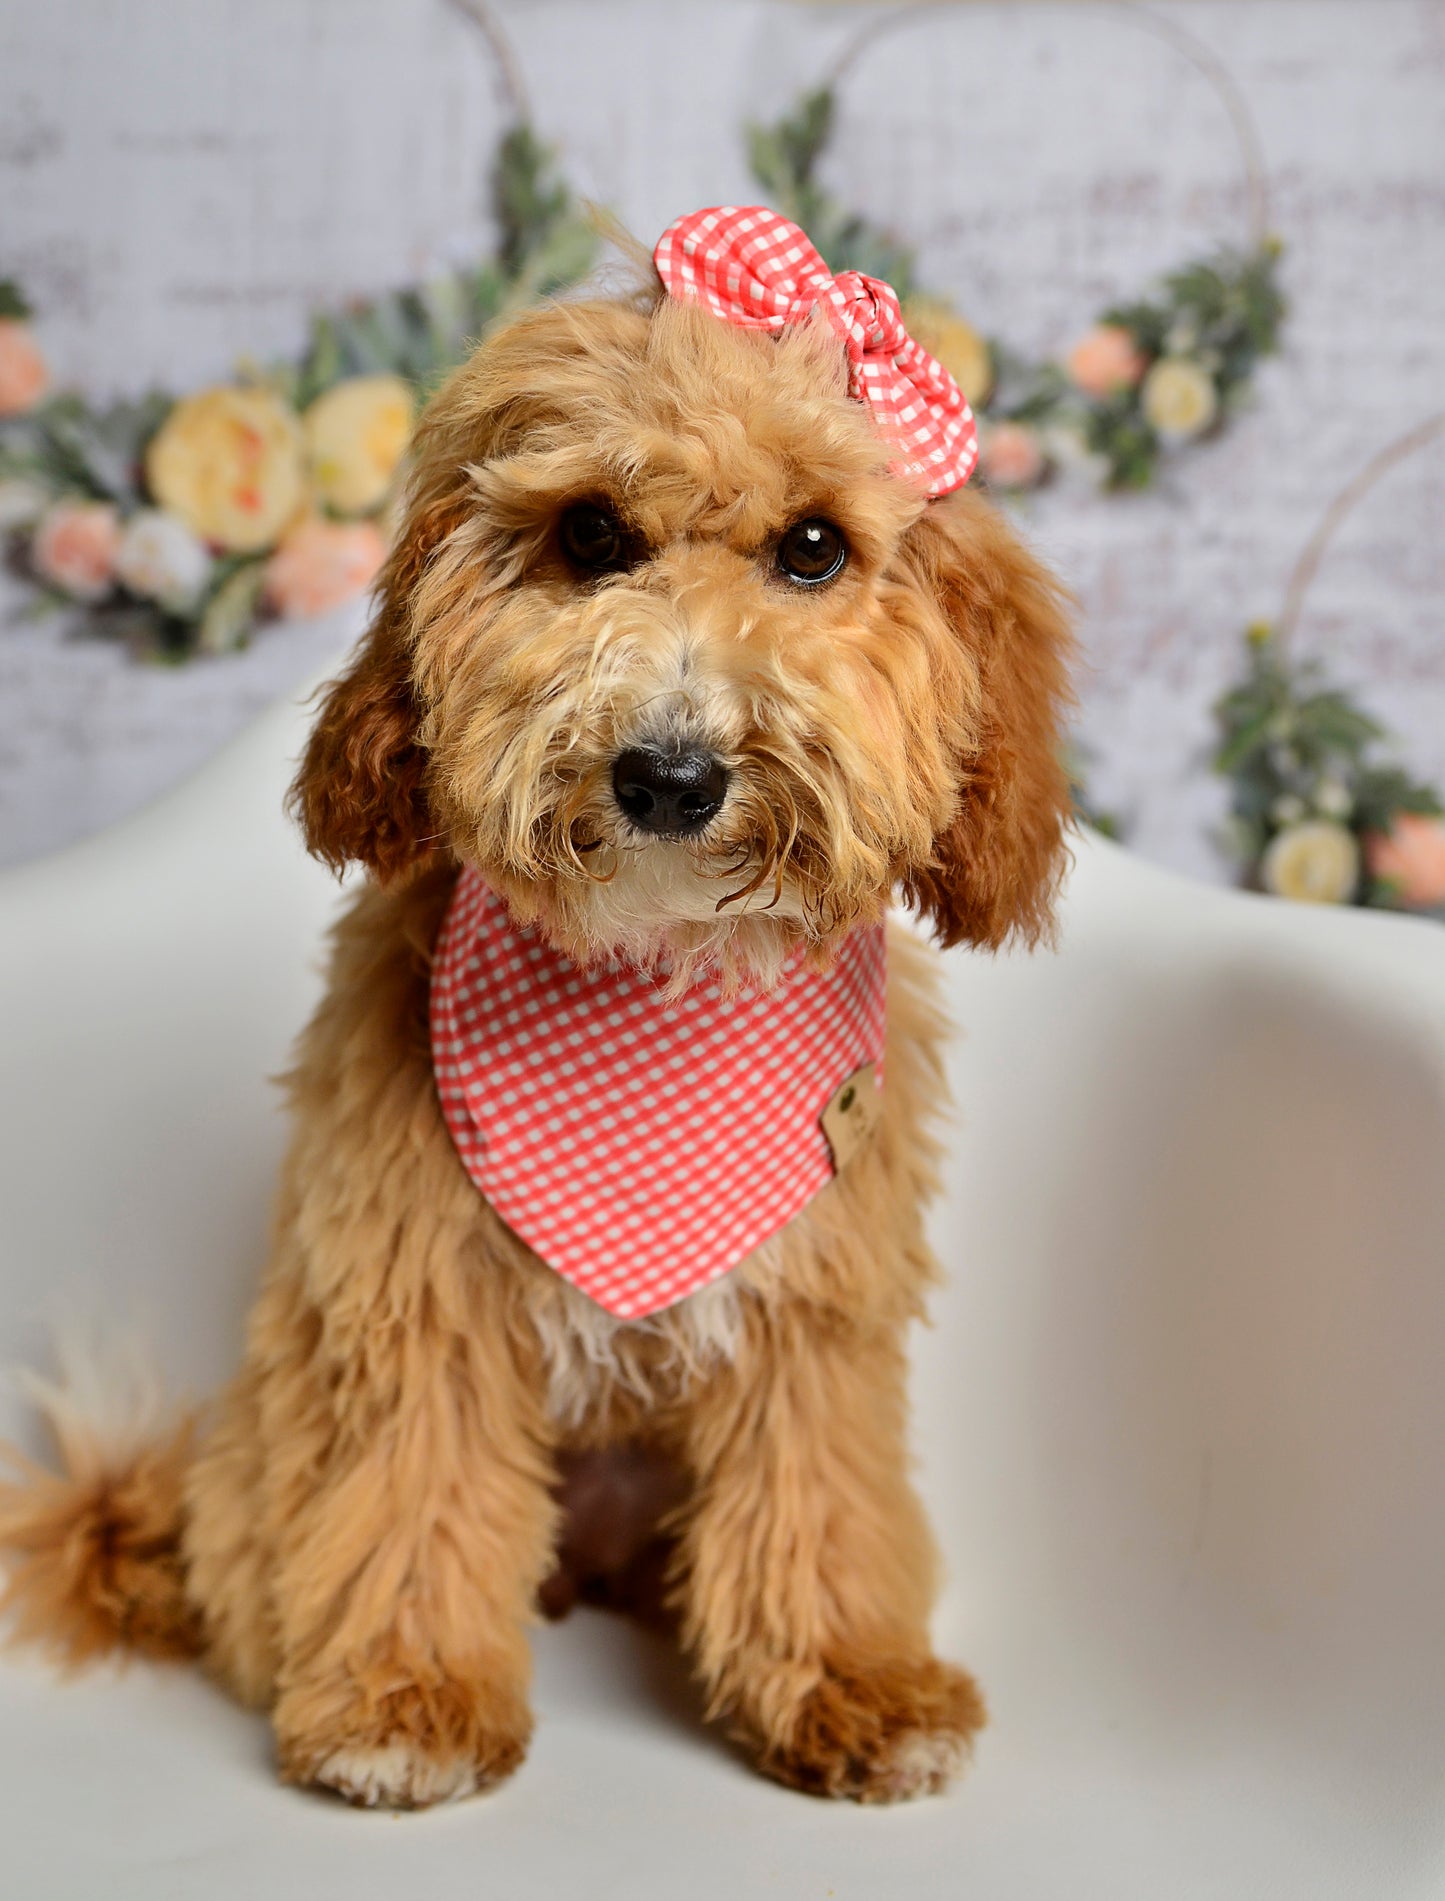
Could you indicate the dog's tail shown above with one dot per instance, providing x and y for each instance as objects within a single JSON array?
[{"x": 92, "y": 1553}]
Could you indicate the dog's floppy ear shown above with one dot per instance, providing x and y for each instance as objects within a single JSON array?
[
  {"x": 996, "y": 866},
  {"x": 360, "y": 793}
]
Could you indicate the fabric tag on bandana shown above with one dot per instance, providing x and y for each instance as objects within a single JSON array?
[
  {"x": 851, "y": 1114},
  {"x": 641, "y": 1147}
]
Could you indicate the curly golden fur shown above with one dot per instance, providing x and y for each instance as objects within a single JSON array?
[{"x": 368, "y": 1522}]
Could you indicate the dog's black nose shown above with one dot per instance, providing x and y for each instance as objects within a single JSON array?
[{"x": 671, "y": 794}]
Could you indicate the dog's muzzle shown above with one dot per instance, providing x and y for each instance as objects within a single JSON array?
[{"x": 672, "y": 795}]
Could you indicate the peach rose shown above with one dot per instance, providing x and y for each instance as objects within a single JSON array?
[
  {"x": 24, "y": 377},
  {"x": 1011, "y": 455},
  {"x": 1411, "y": 858},
  {"x": 320, "y": 564},
  {"x": 227, "y": 461},
  {"x": 75, "y": 547},
  {"x": 1105, "y": 360}
]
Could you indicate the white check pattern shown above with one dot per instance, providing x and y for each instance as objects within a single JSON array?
[
  {"x": 751, "y": 267},
  {"x": 641, "y": 1148}
]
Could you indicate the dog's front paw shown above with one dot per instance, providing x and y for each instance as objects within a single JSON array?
[
  {"x": 881, "y": 1732},
  {"x": 396, "y": 1775},
  {"x": 413, "y": 1747}
]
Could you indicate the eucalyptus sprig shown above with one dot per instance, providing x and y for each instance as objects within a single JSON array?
[
  {"x": 421, "y": 332},
  {"x": 784, "y": 158}
]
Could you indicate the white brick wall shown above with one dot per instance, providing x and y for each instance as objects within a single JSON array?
[{"x": 181, "y": 180}]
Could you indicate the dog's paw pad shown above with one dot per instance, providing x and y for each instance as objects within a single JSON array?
[{"x": 396, "y": 1776}]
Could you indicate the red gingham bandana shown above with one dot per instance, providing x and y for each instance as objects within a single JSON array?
[
  {"x": 641, "y": 1148},
  {"x": 749, "y": 266}
]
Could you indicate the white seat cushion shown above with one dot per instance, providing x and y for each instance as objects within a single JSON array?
[{"x": 1181, "y": 1417}]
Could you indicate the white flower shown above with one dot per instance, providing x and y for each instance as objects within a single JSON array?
[
  {"x": 1067, "y": 447},
  {"x": 1287, "y": 808},
  {"x": 162, "y": 560},
  {"x": 1332, "y": 797},
  {"x": 1179, "y": 398},
  {"x": 1316, "y": 862},
  {"x": 21, "y": 504}
]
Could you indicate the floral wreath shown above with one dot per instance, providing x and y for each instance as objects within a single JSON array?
[
  {"x": 1318, "y": 810},
  {"x": 177, "y": 524},
  {"x": 1148, "y": 377}
]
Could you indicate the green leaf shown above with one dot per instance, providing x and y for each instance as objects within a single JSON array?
[
  {"x": 12, "y": 301},
  {"x": 528, "y": 195},
  {"x": 229, "y": 616},
  {"x": 1283, "y": 732}
]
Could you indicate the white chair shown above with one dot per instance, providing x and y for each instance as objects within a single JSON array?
[{"x": 1182, "y": 1415}]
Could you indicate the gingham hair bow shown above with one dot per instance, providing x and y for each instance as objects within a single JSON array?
[{"x": 749, "y": 266}]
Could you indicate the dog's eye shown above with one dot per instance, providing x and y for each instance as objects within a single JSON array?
[
  {"x": 812, "y": 551},
  {"x": 593, "y": 538}
]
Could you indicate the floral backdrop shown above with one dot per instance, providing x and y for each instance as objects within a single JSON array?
[{"x": 1048, "y": 170}]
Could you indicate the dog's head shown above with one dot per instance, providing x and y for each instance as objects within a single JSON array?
[{"x": 667, "y": 653}]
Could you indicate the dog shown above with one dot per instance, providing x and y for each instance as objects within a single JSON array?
[{"x": 680, "y": 680}]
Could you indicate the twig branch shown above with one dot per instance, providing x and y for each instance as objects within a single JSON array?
[
  {"x": 509, "y": 71},
  {"x": 1201, "y": 57},
  {"x": 1308, "y": 565}
]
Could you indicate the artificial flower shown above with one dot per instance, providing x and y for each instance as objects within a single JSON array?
[
  {"x": 1011, "y": 455},
  {"x": 1067, "y": 450},
  {"x": 22, "y": 504},
  {"x": 24, "y": 377},
  {"x": 355, "y": 437},
  {"x": 75, "y": 547},
  {"x": 228, "y": 462},
  {"x": 937, "y": 326},
  {"x": 161, "y": 559},
  {"x": 1314, "y": 862},
  {"x": 1104, "y": 360},
  {"x": 1410, "y": 858},
  {"x": 321, "y": 564},
  {"x": 1333, "y": 797},
  {"x": 1179, "y": 398}
]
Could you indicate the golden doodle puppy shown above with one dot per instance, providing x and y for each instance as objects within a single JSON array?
[{"x": 608, "y": 1162}]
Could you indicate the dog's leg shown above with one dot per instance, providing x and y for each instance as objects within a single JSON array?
[
  {"x": 418, "y": 1528},
  {"x": 372, "y": 1516},
  {"x": 809, "y": 1569}
]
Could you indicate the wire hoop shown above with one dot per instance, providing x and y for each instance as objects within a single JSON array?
[{"x": 1201, "y": 57}]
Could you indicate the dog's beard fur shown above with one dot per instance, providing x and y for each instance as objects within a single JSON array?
[{"x": 840, "y": 712}]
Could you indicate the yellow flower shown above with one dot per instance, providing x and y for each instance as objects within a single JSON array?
[
  {"x": 1179, "y": 398},
  {"x": 228, "y": 462},
  {"x": 1314, "y": 862},
  {"x": 937, "y": 326},
  {"x": 355, "y": 437}
]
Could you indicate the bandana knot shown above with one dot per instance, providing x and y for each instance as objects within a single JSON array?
[{"x": 751, "y": 267}]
